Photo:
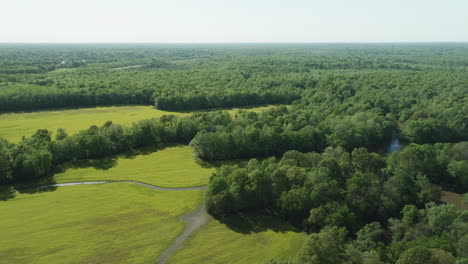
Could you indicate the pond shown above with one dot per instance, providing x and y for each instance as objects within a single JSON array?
[{"x": 388, "y": 146}]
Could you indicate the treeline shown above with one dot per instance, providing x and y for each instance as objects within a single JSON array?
[
  {"x": 432, "y": 235},
  {"x": 32, "y": 98},
  {"x": 219, "y": 99},
  {"x": 250, "y": 141},
  {"x": 277, "y": 130},
  {"x": 40, "y": 58},
  {"x": 166, "y": 89}
]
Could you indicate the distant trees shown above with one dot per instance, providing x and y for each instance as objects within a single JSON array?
[
  {"x": 356, "y": 96},
  {"x": 32, "y": 97},
  {"x": 203, "y": 100}
]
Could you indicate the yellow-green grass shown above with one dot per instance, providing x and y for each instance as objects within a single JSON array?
[
  {"x": 104, "y": 223},
  {"x": 13, "y": 126},
  {"x": 238, "y": 242},
  {"x": 170, "y": 167}
]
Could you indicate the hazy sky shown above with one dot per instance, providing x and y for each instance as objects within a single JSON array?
[{"x": 233, "y": 20}]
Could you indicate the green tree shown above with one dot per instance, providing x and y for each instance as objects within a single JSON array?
[
  {"x": 325, "y": 247},
  {"x": 61, "y": 134},
  {"x": 415, "y": 255},
  {"x": 441, "y": 217},
  {"x": 439, "y": 256}
]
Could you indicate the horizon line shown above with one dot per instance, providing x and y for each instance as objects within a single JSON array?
[{"x": 286, "y": 42}]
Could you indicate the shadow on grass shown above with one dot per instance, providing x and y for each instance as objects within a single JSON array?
[
  {"x": 8, "y": 192},
  {"x": 147, "y": 150},
  {"x": 99, "y": 164},
  {"x": 247, "y": 223},
  {"x": 219, "y": 163},
  {"x": 68, "y": 108},
  {"x": 107, "y": 163}
]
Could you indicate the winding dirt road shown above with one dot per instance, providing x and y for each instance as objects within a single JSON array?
[{"x": 194, "y": 220}]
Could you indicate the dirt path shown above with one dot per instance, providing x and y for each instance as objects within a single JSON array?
[
  {"x": 194, "y": 220},
  {"x": 136, "y": 182}
]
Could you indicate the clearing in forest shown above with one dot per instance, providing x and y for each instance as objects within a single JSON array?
[
  {"x": 459, "y": 200},
  {"x": 172, "y": 167}
]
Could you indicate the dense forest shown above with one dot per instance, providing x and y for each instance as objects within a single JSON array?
[{"x": 308, "y": 160}]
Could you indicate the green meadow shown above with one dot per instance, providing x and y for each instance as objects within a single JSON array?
[
  {"x": 13, "y": 126},
  {"x": 104, "y": 223},
  {"x": 238, "y": 240},
  {"x": 169, "y": 167}
]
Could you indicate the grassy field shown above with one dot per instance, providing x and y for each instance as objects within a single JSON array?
[
  {"x": 236, "y": 241},
  {"x": 13, "y": 126},
  {"x": 105, "y": 223},
  {"x": 169, "y": 167}
]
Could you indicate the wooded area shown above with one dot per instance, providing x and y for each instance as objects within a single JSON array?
[{"x": 306, "y": 161}]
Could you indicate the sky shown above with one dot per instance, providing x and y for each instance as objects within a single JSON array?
[{"x": 234, "y": 21}]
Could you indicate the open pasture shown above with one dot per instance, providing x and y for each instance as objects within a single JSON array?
[
  {"x": 103, "y": 223},
  {"x": 240, "y": 239},
  {"x": 170, "y": 167}
]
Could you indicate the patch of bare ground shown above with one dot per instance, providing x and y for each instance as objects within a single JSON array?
[{"x": 456, "y": 199}]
